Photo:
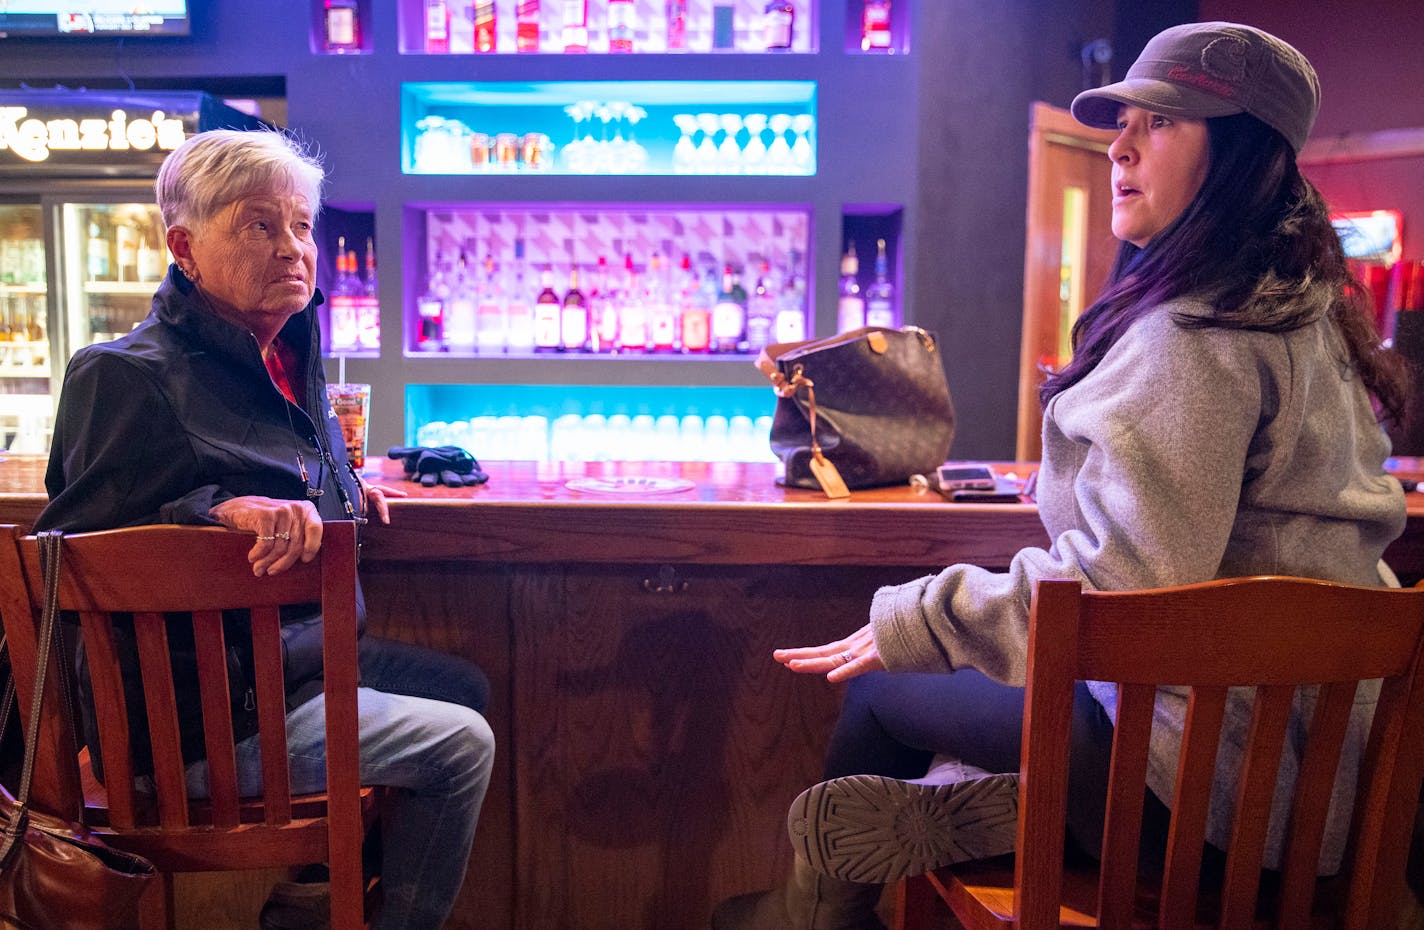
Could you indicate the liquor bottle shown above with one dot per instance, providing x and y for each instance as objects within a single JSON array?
[
  {"x": 461, "y": 309},
  {"x": 603, "y": 311},
  {"x": 575, "y": 34},
  {"x": 662, "y": 314},
  {"x": 430, "y": 308},
  {"x": 790, "y": 323},
  {"x": 880, "y": 296},
  {"x": 875, "y": 26},
  {"x": 573, "y": 320},
  {"x": 126, "y": 250},
  {"x": 850, "y": 310},
  {"x": 484, "y": 26},
  {"x": 345, "y": 289},
  {"x": 620, "y": 25},
  {"x": 761, "y": 311},
  {"x": 342, "y": 24},
  {"x": 632, "y": 312},
  {"x": 777, "y": 24},
  {"x": 526, "y": 29},
  {"x": 547, "y": 311},
  {"x": 677, "y": 25},
  {"x": 96, "y": 252},
  {"x": 368, "y": 303},
  {"x": 150, "y": 258},
  {"x": 724, "y": 27},
  {"x": 696, "y": 316},
  {"x": 437, "y": 27},
  {"x": 519, "y": 313},
  {"x": 729, "y": 314},
  {"x": 490, "y": 318}
]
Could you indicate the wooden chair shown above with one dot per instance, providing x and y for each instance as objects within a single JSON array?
[
  {"x": 1274, "y": 633},
  {"x": 200, "y": 571}
]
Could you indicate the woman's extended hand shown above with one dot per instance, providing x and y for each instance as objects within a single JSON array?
[
  {"x": 286, "y": 530},
  {"x": 376, "y": 497},
  {"x": 840, "y": 660}
]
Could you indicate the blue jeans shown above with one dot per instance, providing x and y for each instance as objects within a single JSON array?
[
  {"x": 893, "y": 723},
  {"x": 420, "y": 732}
]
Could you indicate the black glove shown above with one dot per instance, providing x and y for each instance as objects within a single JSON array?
[{"x": 449, "y": 465}]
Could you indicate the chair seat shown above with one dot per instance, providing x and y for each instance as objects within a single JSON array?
[{"x": 989, "y": 886}]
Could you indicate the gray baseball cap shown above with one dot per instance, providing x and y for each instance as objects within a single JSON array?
[{"x": 1200, "y": 70}]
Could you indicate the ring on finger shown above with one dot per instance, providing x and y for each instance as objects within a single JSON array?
[
  {"x": 265, "y": 538},
  {"x": 847, "y": 657},
  {"x": 284, "y": 536}
]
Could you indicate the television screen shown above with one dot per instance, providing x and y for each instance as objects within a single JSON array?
[
  {"x": 21, "y": 18},
  {"x": 1370, "y": 235}
]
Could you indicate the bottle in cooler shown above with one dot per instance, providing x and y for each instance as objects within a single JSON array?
[
  {"x": 850, "y": 309},
  {"x": 696, "y": 315},
  {"x": 790, "y": 323},
  {"x": 526, "y": 28},
  {"x": 547, "y": 312},
  {"x": 437, "y": 27},
  {"x": 462, "y": 308},
  {"x": 632, "y": 312},
  {"x": 575, "y": 32},
  {"x": 603, "y": 311},
  {"x": 368, "y": 305},
  {"x": 662, "y": 312},
  {"x": 875, "y": 26},
  {"x": 345, "y": 290},
  {"x": 520, "y": 313},
  {"x": 880, "y": 296},
  {"x": 491, "y": 322},
  {"x": 573, "y": 320},
  {"x": 761, "y": 311},
  {"x": 778, "y": 23},
  {"x": 342, "y": 26},
  {"x": 729, "y": 314},
  {"x": 430, "y": 309},
  {"x": 621, "y": 21}
]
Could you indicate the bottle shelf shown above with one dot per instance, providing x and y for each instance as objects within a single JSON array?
[
  {"x": 610, "y": 128},
  {"x": 576, "y": 27},
  {"x": 594, "y": 280}
]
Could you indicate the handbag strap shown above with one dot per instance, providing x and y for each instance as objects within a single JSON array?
[{"x": 51, "y": 546}]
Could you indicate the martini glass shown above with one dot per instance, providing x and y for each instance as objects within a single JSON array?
[
  {"x": 684, "y": 153},
  {"x": 754, "y": 152},
  {"x": 803, "y": 157},
  {"x": 729, "y": 153}
]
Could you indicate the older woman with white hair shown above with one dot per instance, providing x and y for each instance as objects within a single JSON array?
[{"x": 214, "y": 411}]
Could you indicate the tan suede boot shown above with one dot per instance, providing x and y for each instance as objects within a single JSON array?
[
  {"x": 809, "y": 901},
  {"x": 870, "y": 828}
]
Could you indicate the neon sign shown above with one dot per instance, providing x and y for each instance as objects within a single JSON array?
[{"x": 33, "y": 139}]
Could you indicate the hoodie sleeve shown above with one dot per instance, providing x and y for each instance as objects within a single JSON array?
[
  {"x": 1158, "y": 437},
  {"x": 119, "y": 456}
]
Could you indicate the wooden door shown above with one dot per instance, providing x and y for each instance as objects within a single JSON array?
[{"x": 1068, "y": 251}]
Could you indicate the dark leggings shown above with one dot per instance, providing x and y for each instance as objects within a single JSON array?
[{"x": 894, "y": 723}]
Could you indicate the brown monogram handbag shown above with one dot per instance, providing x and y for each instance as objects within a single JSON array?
[
  {"x": 872, "y": 402},
  {"x": 54, "y": 873}
]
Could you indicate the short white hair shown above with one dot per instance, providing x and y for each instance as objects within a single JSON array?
[{"x": 214, "y": 168}]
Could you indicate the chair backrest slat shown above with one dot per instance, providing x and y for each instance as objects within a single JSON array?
[
  {"x": 1270, "y": 715},
  {"x": 111, "y": 715},
  {"x": 1391, "y": 773},
  {"x": 151, "y": 635},
  {"x": 271, "y": 714},
  {"x": 1314, "y": 785},
  {"x": 1122, "y": 830},
  {"x": 211, "y": 645},
  {"x": 1197, "y": 759}
]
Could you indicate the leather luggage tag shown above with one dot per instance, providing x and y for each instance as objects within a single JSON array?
[{"x": 828, "y": 476}]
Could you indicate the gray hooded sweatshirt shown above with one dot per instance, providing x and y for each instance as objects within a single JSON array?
[{"x": 1187, "y": 454}]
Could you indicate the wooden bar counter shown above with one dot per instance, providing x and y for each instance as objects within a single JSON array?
[{"x": 648, "y": 744}]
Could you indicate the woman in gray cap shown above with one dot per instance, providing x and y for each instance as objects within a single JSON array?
[{"x": 1218, "y": 419}]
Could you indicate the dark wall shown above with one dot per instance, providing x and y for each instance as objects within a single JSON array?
[{"x": 978, "y": 66}]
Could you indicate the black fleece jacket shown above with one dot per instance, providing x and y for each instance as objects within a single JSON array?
[{"x": 167, "y": 421}]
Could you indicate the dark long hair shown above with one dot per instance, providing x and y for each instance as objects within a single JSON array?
[{"x": 1256, "y": 242}]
